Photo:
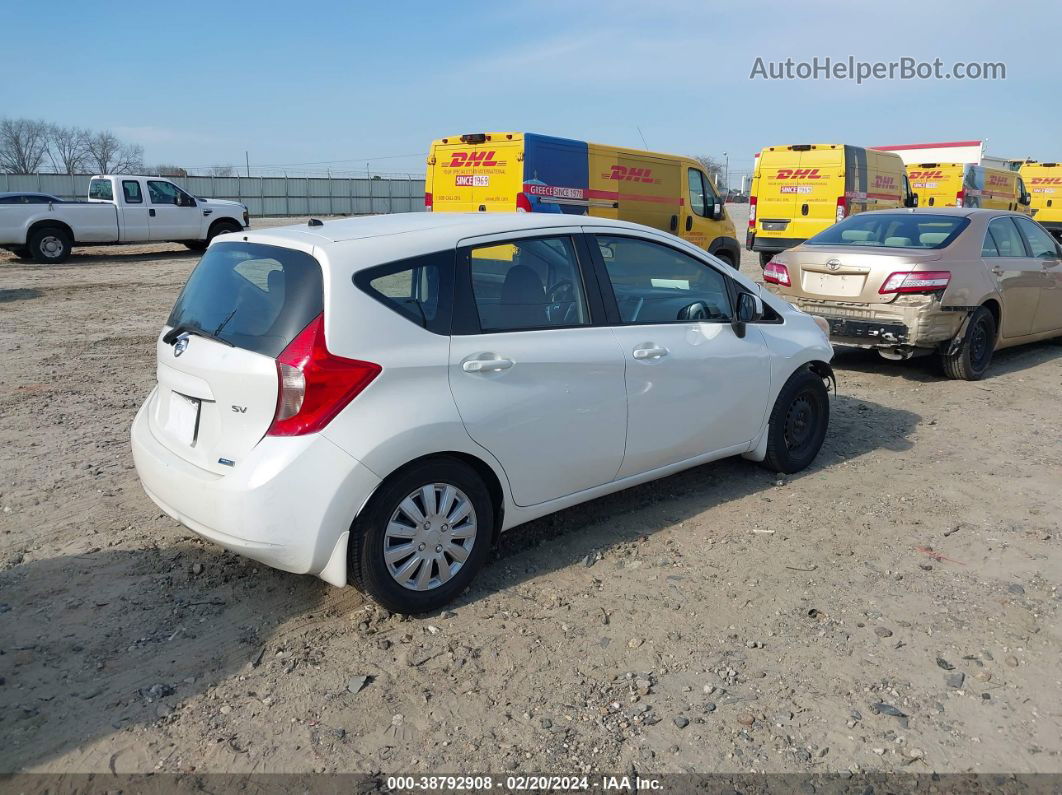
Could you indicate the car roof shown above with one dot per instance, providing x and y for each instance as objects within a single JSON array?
[
  {"x": 5, "y": 194},
  {"x": 451, "y": 226},
  {"x": 958, "y": 212}
]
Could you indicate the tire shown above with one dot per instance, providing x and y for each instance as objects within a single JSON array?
[
  {"x": 798, "y": 423},
  {"x": 196, "y": 245},
  {"x": 50, "y": 245},
  {"x": 370, "y": 537},
  {"x": 218, "y": 228},
  {"x": 726, "y": 258},
  {"x": 971, "y": 359},
  {"x": 22, "y": 253},
  {"x": 765, "y": 257}
]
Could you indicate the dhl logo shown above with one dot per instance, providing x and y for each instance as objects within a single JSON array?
[
  {"x": 925, "y": 175},
  {"x": 1046, "y": 181},
  {"x": 627, "y": 174},
  {"x": 997, "y": 179},
  {"x": 884, "y": 181},
  {"x": 478, "y": 157},
  {"x": 798, "y": 173}
]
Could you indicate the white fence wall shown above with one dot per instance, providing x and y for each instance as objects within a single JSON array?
[{"x": 262, "y": 195}]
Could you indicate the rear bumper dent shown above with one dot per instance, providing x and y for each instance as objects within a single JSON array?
[{"x": 912, "y": 321}]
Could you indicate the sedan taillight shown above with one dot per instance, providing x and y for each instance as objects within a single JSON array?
[
  {"x": 776, "y": 273},
  {"x": 915, "y": 282}
]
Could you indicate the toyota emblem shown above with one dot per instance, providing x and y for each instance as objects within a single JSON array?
[
  {"x": 180, "y": 345},
  {"x": 833, "y": 264}
]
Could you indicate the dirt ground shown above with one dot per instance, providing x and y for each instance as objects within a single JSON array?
[{"x": 895, "y": 607}]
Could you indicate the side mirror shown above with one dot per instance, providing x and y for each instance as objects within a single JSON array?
[
  {"x": 1026, "y": 199},
  {"x": 749, "y": 310},
  {"x": 717, "y": 212},
  {"x": 912, "y": 200}
]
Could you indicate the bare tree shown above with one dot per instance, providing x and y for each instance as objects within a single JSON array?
[
  {"x": 221, "y": 171},
  {"x": 67, "y": 148},
  {"x": 712, "y": 166},
  {"x": 170, "y": 171},
  {"x": 23, "y": 145},
  {"x": 108, "y": 155}
]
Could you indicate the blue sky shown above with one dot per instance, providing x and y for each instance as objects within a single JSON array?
[{"x": 199, "y": 83}]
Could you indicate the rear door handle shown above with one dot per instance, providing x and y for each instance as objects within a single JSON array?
[
  {"x": 998, "y": 271},
  {"x": 650, "y": 352},
  {"x": 486, "y": 365}
]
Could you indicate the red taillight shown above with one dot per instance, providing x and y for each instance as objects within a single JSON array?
[
  {"x": 842, "y": 208},
  {"x": 752, "y": 211},
  {"x": 915, "y": 282},
  {"x": 960, "y": 198},
  {"x": 776, "y": 273},
  {"x": 428, "y": 200},
  {"x": 315, "y": 385},
  {"x": 523, "y": 203}
]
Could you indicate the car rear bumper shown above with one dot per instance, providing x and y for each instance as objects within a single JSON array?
[
  {"x": 913, "y": 321},
  {"x": 288, "y": 504},
  {"x": 771, "y": 245}
]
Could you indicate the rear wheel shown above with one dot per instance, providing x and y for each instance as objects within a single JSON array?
[
  {"x": 219, "y": 228},
  {"x": 971, "y": 358},
  {"x": 422, "y": 537},
  {"x": 798, "y": 424},
  {"x": 50, "y": 245}
]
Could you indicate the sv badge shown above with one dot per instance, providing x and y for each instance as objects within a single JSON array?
[{"x": 239, "y": 409}]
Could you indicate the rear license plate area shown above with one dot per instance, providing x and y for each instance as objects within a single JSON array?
[
  {"x": 182, "y": 422},
  {"x": 774, "y": 226},
  {"x": 837, "y": 284}
]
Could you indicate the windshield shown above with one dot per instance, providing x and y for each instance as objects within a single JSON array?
[
  {"x": 250, "y": 295},
  {"x": 892, "y": 230}
]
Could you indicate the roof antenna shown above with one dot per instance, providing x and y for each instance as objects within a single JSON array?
[
  {"x": 639, "y": 129},
  {"x": 315, "y": 222}
]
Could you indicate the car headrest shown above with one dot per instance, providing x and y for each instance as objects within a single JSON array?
[{"x": 898, "y": 242}]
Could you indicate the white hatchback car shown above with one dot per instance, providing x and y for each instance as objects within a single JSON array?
[{"x": 373, "y": 400}]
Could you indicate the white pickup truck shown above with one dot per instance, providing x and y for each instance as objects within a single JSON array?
[{"x": 120, "y": 209}]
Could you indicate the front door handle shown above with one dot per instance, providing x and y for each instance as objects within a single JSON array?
[
  {"x": 650, "y": 351},
  {"x": 151, "y": 213},
  {"x": 486, "y": 365}
]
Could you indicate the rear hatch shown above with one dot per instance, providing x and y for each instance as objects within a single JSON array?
[
  {"x": 480, "y": 172},
  {"x": 217, "y": 370},
  {"x": 798, "y": 190}
]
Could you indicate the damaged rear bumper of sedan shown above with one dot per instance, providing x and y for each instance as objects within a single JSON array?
[{"x": 912, "y": 325}]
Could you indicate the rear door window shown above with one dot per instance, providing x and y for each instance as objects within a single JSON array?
[
  {"x": 131, "y": 189},
  {"x": 419, "y": 289},
  {"x": 252, "y": 296},
  {"x": 1005, "y": 236}
]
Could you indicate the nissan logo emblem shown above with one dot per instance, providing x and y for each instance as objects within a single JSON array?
[
  {"x": 833, "y": 264},
  {"x": 180, "y": 345}
]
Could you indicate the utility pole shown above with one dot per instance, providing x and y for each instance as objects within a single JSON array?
[
  {"x": 726, "y": 172},
  {"x": 247, "y": 160}
]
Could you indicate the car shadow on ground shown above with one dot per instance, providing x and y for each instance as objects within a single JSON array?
[
  {"x": 97, "y": 257},
  {"x": 857, "y": 427},
  {"x": 927, "y": 369},
  {"x": 94, "y": 643},
  {"x": 18, "y": 294}
]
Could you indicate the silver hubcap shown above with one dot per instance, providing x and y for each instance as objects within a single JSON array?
[
  {"x": 430, "y": 536},
  {"x": 51, "y": 246}
]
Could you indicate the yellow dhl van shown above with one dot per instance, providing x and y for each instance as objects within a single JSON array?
[
  {"x": 967, "y": 185},
  {"x": 799, "y": 190},
  {"x": 1044, "y": 183},
  {"x": 513, "y": 171}
]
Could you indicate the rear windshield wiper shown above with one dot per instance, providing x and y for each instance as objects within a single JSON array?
[{"x": 187, "y": 328}]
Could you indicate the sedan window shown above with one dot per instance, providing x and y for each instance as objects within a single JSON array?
[
  {"x": 1041, "y": 244},
  {"x": 1005, "y": 235},
  {"x": 654, "y": 283},
  {"x": 892, "y": 230}
]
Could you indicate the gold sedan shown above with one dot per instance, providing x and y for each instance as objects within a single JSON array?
[{"x": 956, "y": 282}]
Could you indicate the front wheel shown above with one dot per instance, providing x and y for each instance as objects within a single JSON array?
[
  {"x": 422, "y": 537},
  {"x": 798, "y": 424},
  {"x": 969, "y": 361}
]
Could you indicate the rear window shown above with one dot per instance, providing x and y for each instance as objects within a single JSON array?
[
  {"x": 101, "y": 189},
  {"x": 250, "y": 295},
  {"x": 889, "y": 230}
]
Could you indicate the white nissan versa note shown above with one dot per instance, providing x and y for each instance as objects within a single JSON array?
[{"x": 373, "y": 400}]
